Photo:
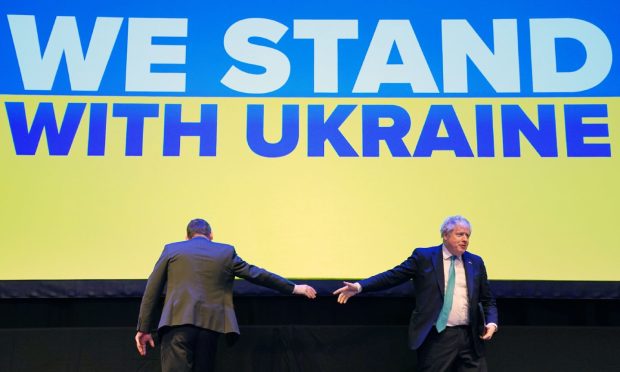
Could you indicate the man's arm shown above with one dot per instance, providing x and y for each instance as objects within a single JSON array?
[
  {"x": 150, "y": 299},
  {"x": 257, "y": 275},
  {"x": 387, "y": 279},
  {"x": 488, "y": 305}
]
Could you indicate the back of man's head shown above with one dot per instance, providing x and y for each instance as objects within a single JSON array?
[{"x": 198, "y": 226}]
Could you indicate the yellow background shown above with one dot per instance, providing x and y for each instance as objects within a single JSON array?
[{"x": 108, "y": 217}]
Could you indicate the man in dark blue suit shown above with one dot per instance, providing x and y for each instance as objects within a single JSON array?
[{"x": 455, "y": 310}]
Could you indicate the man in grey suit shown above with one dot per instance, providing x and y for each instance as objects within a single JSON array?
[
  {"x": 455, "y": 310},
  {"x": 197, "y": 275}
]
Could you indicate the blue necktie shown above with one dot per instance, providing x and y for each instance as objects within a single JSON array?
[{"x": 442, "y": 321}]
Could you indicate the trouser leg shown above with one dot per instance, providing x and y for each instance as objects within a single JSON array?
[
  {"x": 177, "y": 349},
  {"x": 205, "y": 351}
]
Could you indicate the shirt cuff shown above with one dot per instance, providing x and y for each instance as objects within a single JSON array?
[
  {"x": 358, "y": 286},
  {"x": 493, "y": 324}
]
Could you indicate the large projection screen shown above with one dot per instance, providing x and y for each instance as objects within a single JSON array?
[{"x": 323, "y": 140}]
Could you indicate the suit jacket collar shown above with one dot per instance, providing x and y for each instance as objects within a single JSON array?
[
  {"x": 437, "y": 259},
  {"x": 469, "y": 274}
]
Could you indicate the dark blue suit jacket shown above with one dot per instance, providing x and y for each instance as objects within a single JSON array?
[{"x": 425, "y": 268}]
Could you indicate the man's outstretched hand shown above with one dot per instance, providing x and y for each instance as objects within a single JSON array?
[
  {"x": 349, "y": 290},
  {"x": 304, "y": 290}
]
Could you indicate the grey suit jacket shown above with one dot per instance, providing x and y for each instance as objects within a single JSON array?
[
  {"x": 198, "y": 276},
  {"x": 425, "y": 268}
]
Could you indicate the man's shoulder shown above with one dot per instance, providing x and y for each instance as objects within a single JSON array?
[
  {"x": 198, "y": 242},
  {"x": 176, "y": 245},
  {"x": 472, "y": 257},
  {"x": 427, "y": 251},
  {"x": 219, "y": 245}
]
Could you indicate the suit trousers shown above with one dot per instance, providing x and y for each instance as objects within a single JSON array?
[
  {"x": 452, "y": 350},
  {"x": 188, "y": 348}
]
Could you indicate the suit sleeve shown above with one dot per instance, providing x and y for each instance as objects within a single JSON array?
[
  {"x": 393, "y": 277},
  {"x": 152, "y": 294},
  {"x": 486, "y": 298},
  {"x": 260, "y": 276}
]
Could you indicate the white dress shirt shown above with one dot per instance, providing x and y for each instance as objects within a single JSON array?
[{"x": 459, "y": 313}]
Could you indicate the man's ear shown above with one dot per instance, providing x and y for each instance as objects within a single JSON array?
[{"x": 210, "y": 236}]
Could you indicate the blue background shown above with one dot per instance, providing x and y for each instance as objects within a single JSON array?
[{"x": 207, "y": 62}]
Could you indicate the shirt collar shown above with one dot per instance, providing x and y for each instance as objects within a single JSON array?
[{"x": 446, "y": 253}]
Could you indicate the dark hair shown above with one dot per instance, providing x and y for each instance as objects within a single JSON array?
[{"x": 198, "y": 226}]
